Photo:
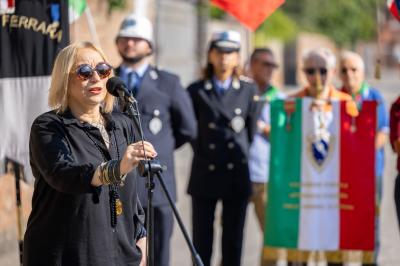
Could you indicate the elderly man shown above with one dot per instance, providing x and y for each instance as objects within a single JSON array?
[
  {"x": 319, "y": 67},
  {"x": 353, "y": 79}
]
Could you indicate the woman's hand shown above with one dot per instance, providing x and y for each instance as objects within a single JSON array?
[
  {"x": 141, "y": 244},
  {"x": 134, "y": 153}
]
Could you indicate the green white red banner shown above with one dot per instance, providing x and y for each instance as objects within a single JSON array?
[{"x": 322, "y": 184}]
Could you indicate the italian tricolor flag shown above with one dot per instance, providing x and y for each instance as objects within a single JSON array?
[{"x": 321, "y": 187}]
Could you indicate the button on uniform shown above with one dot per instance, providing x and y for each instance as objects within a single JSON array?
[
  {"x": 211, "y": 146},
  {"x": 230, "y": 166},
  {"x": 231, "y": 145},
  {"x": 211, "y": 167}
]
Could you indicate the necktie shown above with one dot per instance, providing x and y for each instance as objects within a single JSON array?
[
  {"x": 220, "y": 90},
  {"x": 133, "y": 79}
]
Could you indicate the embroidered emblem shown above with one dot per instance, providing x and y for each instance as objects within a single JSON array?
[{"x": 320, "y": 142}]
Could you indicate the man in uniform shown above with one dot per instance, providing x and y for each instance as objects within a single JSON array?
[{"x": 167, "y": 118}]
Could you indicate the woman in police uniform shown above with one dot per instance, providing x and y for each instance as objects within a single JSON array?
[{"x": 226, "y": 114}]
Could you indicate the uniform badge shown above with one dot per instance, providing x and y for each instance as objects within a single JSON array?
[
  {"x": 208, "y": 86},
  {"x": 237, "y": 123},
  {"x": 155, "y": 124},
  {"x": 236, "y": 84},
  {"x": 153, "y": 75},
  {"x": 238, "y": 111}
]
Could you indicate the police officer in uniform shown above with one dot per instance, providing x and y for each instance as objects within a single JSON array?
[
  {"x": 227, "y": 115},
  {"x": 167, "y": 118}
]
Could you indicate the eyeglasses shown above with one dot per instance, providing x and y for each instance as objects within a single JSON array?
[
  {"x": 312, "y": 71},
  {"x": 269, "y": 64},
  {"x": 86, "y": 71},
  {"x": 352, "y": 69}
]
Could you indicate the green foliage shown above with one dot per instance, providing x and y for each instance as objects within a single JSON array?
[
  {"x": 344, "y": 21},
  {"x": 116, "y": 4},
  {"x": 216, "y": 13},
  {"x": 278, "y": 25}
]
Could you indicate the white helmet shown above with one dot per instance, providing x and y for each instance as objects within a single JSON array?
[{"x": 136, "y": 27}]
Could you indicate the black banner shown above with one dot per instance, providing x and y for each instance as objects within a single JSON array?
[{"x": 31, "y": 37}]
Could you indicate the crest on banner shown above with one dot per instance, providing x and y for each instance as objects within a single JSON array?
[{"x": 320, "y": 141}]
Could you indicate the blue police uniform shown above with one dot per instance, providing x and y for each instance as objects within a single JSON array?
[
  {"x": 168, "y": 122},
  {"x": 226, "y": 120}
]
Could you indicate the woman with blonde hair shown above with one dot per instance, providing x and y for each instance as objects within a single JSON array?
[{"x": 85, "y": 209}]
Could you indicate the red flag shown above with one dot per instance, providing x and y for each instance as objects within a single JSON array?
[
  {"x": 250, "y": 13},
  {"x": 394, "y": 7}
]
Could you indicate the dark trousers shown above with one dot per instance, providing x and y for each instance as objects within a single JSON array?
[
  {"x": 163, "y": 225},
  {"x": 233, "y": 218}
]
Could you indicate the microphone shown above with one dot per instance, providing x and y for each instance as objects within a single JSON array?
[{"x": 116, "y": 87}]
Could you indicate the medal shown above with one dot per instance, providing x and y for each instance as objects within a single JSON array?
[
  {"x": 153, "y": 75},
  {"x": 155, "y": 125},
  {"x": 237, "y": 123}
]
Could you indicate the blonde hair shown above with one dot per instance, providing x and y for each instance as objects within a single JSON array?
[{"x": 58, "y": 94}]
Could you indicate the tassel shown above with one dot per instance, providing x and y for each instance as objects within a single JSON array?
[{"x": 378, "y": 69}]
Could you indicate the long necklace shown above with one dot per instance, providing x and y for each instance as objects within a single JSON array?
[{"x": 115, "y": 202}]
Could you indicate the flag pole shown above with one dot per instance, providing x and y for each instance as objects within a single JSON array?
[
  {"x": 92, "y": 26},
  {"x": 248, "y": 42},
  {"x": 378, "y": 33},
  {"x": 17, "y": 174},
  {"x": 202, "y": 8}
]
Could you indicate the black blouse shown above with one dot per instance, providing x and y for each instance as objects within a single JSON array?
[{"x": 70, "y": 222}]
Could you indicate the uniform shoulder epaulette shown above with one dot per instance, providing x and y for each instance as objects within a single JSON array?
[
  {"x": 246, "y": 79},
  {"x": 163, "y": 72}
]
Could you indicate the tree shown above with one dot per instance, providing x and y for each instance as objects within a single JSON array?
[{"x": 344, "y": 21}]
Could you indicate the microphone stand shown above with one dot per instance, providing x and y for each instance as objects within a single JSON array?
[{"x": 149, "y": 169}]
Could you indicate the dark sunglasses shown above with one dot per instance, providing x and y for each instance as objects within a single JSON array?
[
  {"x": 269, "y": 64},
  {"x": 86, "y": 71},
  {"x": 312, "y": 71},
  {"x": 352, "y": 69}
]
